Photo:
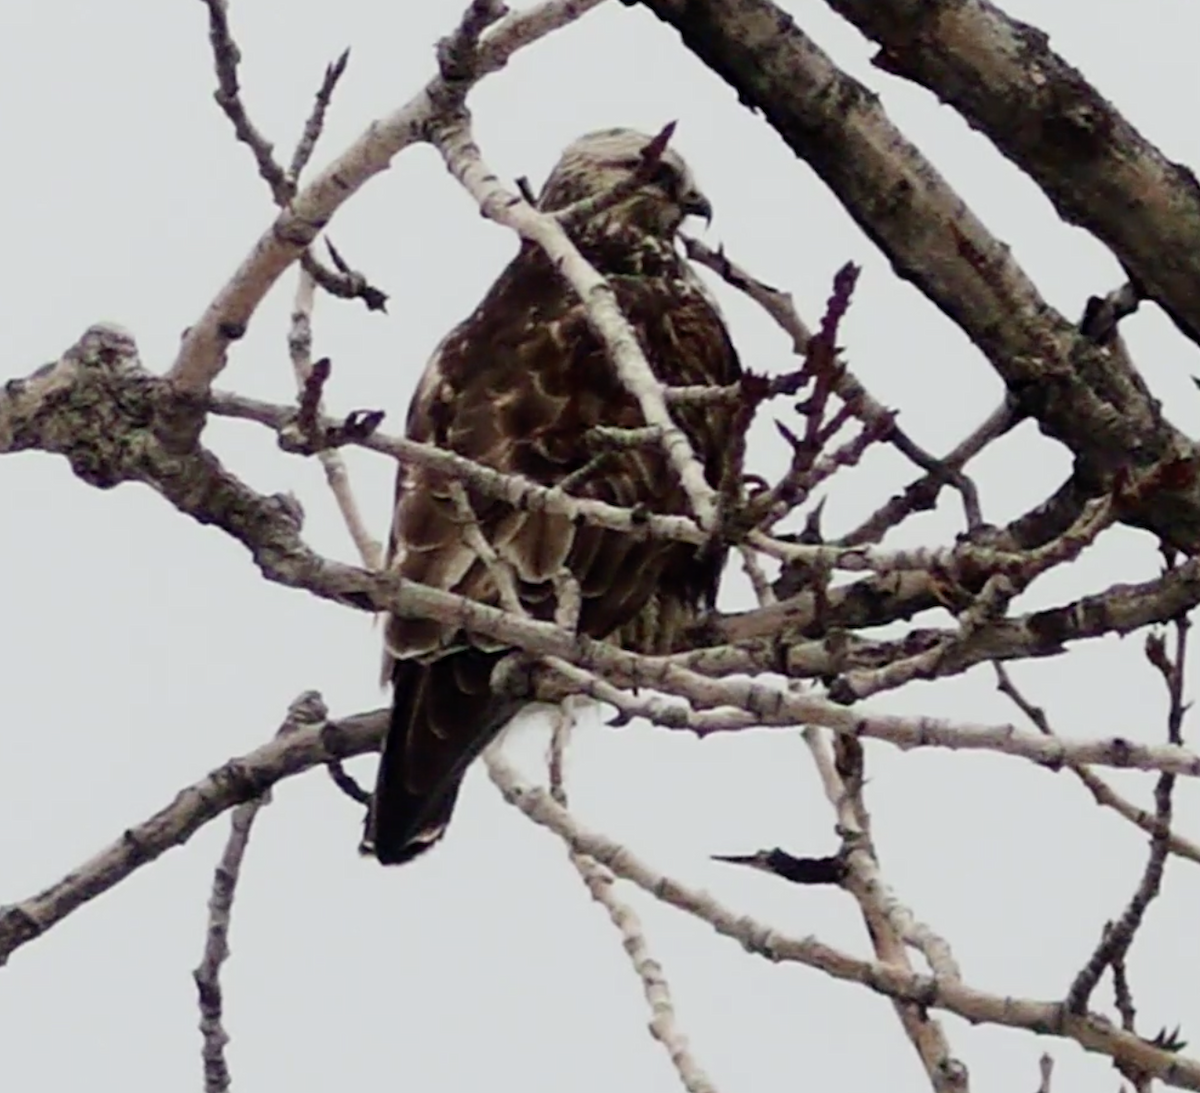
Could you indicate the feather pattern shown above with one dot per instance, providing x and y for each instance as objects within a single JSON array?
[{"x": 520, "y": 385}]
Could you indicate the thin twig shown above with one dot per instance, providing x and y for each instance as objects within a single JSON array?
[
  {"x": 341, "y": 281},
  {"x": 1046, "y": 1070},
  {"x": 307, "y": 709},
  {"x": 1101, "y": 791},
  {"x": 503, "y": 577},
  {"x": 599, "y": 882},
  {"x": 300, "y": 350},
  {"x": 844, "y": 790},
  {"x": 336, "y": 475},
  {"x": 227, "y": 57},
  {"x": 216, "y": 948},
  {"x": 314, "y": 124},
  {"x": 890, "y": 924},
  {"x": 588, "y": 208},
  {"x": 922, "y": 494},
  {"x": 775, "y": 302},
  {"x": 1115, "y": 941}
]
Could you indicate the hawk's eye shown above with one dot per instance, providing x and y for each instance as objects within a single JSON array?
[{"x": 665, "y": 176}]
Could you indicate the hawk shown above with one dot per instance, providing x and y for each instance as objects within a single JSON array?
[{"x": 521, "y": 385}]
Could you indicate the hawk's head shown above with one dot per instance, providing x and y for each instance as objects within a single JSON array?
[{"x": 597, "y": 162}]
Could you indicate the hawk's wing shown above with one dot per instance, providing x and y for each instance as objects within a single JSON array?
[{"x": 519, "y": 386}]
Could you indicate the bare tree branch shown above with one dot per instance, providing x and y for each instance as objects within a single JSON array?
[
  {"x": 1101, "y": 791},
  {"x": 1118, "y": 936},
  {"x": 300, "y": 350},
  {"x": 238, "y": 781},
  {"x": 515, "y": 489},
  {"x": 69, "y": 408},
  {"x": 202, "y": 354},
  {"x": 307, "y": 709},
  {"x": 600, "y": 882},
  {"x": 1090, "y": 1031},
  {"x": 891, "y": 925},
  {"x": 1099, "y": 171},
  {"x": 1085, "y": 395},
  {"x": 282, "y": 184}
]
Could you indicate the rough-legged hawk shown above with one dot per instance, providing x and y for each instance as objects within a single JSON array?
[{"x": 521, "y": 385}]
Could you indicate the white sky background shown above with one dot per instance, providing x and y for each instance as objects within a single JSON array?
[{"x": 141, "y": 650}]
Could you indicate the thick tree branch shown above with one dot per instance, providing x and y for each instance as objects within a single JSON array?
[
  {"x": 1099, "y": 171},
  {"x": 1085, "y": 395}
]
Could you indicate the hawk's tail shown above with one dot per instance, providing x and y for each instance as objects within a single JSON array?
[{"x": 443, "y": 715}]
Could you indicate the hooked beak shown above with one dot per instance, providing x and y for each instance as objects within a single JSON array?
[{"x": 694, "y": 203}]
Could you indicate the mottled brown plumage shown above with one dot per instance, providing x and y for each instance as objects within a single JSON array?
[{"x": 518, "y": 385}]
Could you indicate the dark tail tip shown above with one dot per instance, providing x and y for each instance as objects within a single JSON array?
[
  {"x": 412, "y": 805},
  {"x": 400, "y": 825},
  {"x": 443, "y": 715}
]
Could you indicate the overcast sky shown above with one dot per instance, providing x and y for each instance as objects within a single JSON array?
[{"x": 140, "y": 650}]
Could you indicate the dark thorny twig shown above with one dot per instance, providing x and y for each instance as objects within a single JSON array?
[
  {"x": 879, "y": 422},
  {"x": 780, "y": 863}
]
